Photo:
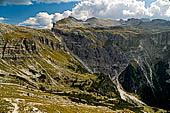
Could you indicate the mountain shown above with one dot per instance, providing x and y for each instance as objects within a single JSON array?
[
  {"x": 145, "y": 19},
  {"x": 155, "y": 24},
  {"x": 83, "y": 66},
  {"x": 136, "y": 59},
  {"x": 37, "y": 74},
  {"x": 91, "y": 22}
]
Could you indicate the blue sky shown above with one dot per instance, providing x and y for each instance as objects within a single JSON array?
[
  {"x": 18, "y": 13},
  {"x": 41, "y": 13},
  {"x": 148, "y": 2}
]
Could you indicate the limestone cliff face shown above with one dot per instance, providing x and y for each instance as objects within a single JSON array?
[
  {"x": 130, "y": 61},
  {"x": 135, "y": 60},
  {"x": 36, "y": 71},
  {"x": 21, "y": 53},
  {"x": 100, "y": 55},
  {"x": 147, "y": 75}
]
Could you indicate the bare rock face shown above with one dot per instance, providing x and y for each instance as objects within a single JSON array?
[
  {"x": 20, "y": 42},
  {"x": 20, "y": 48},
  {"x": 148, "y": 73},
  {"x": 99, "y": 58},
  {"x": 134, "y": 59},
  {"x": 35, "y": 67}
]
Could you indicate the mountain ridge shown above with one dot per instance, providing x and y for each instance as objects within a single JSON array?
[
  {"x": 146, "y": 48},
  {"x": 41, "y": 63}
]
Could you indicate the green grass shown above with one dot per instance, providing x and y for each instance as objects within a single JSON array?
[
  {"x": 4, "y": 106},
  {"x": 63, "y": 83},
  {"x": 45, "y": 102},
  {"x": 19, "y": 35}
]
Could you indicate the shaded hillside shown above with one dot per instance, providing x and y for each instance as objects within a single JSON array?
[
  {"x": 136, "y": 59},
  {"x": 37, "y": 73}
]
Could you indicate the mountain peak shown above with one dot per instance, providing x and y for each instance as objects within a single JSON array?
[
  {"x": 91, "y": 19},
  {"x": 91, "y": 22}
]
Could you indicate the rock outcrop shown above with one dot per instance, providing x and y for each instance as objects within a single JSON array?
[
  {"x": 87, "y": 66},
  {"x": 37, "y": 70},
  {"x": 135, "y": 59}
]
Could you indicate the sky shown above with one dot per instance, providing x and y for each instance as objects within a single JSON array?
[
  {"x": 147, "y": 2},
  {"x": 42, "y": 13}
]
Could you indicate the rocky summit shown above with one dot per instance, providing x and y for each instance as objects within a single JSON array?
[{"x": 92, "y": 66}]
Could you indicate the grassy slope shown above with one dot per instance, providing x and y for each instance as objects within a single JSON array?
[{"x": 61, "y": 82}]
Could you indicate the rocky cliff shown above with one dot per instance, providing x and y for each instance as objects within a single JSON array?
[
  {"x": 43, "y": 71},
  {"x": 136, "y": 59},
  {"x": 84, "y": 66}
]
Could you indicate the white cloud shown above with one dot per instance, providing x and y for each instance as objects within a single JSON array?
[
  {"x": 29, "y": 2},
  {"x": 2, "y": 19},
  {"x": 112, "y": 9},
  {"x": 15, "y": 2},
  {"x": 54, "y": 1},
  {"x": 109, "y": 9},
  {"x": 42, "y": 20},
  {"x": 160, "y": 9},
  {"x": 58, "y": 16}
]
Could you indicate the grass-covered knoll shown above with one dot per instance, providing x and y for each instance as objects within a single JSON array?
[
  {"x": 10, "y": 32},
  {"x": 19, "y": 35}
]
